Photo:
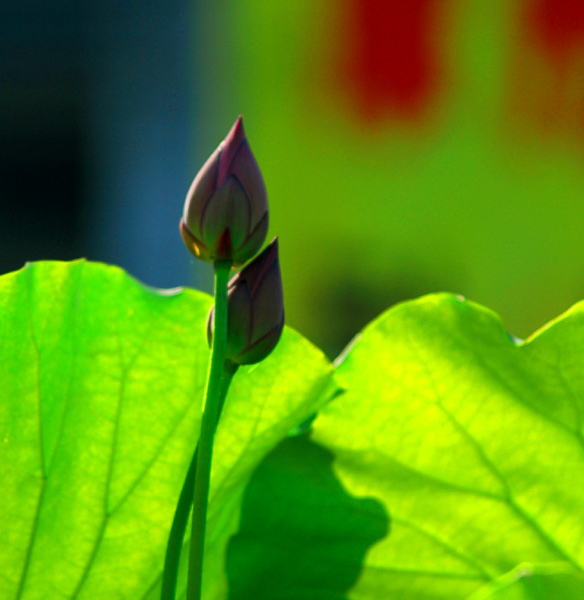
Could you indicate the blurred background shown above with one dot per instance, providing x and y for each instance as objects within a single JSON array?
[{"x": 408, "y": 146}]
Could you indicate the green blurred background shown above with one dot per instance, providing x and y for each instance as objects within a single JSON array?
[{"x": 408, "y": 146}]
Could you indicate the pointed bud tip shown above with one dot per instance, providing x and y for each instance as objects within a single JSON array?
[
  {"x": 229, "y": 147},
  {"x": 236, "y": 134},
  {"x": 268, "y": 255},
  {"x": 273, "y": 246}
]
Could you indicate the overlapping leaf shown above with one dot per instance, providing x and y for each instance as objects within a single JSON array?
[
  {"x": 100, "y": 392},
  {"x": 474, "y": 444},
  {"x": 464, "y": 445}
]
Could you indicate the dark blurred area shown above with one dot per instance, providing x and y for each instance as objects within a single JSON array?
[{"x": 96, "y": 111}]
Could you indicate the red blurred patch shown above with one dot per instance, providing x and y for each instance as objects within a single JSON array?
[
  {"x": 558, "y": 26},
  {"x": 547, "y": 73},
  {"x": 387, "y": 63}
]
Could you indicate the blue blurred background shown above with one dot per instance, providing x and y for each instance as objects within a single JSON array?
[
  {"x": 97, "y": 122},
  {"x": 408, "y": 147}
]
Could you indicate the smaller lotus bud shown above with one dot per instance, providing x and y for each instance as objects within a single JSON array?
[
  {"x": 226, "y": 210},
  {"x": 255, "y": 309}
]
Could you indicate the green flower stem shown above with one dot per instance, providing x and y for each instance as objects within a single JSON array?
[
  {"x": 211, "y": 404},
  {"x": 185, "y": 501}
]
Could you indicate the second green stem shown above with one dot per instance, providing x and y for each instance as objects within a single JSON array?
[{"x": 208, "y": 425}]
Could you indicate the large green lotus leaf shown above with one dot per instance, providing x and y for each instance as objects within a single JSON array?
[
  {"x": 472, "y": 442},
  {"x": 100, "y": 396},
  {"x": 552, "y": 581}
]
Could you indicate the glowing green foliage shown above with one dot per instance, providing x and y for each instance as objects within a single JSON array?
[
  {"x": 454, "y": 455},
  {"x": 100, "y": 398},
  {"x": 452, "y": 467},
  {"x": 472, "y": 443}
]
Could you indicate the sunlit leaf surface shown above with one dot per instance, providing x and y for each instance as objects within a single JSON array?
[
  {"x": 455, "y": 455},
  {"x": 471, "y": 442},
  {"x": 100, "y": 394}
]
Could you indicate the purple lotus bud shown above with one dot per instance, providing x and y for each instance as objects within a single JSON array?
[
  {"x": 255, "y": 309},
  {"x": 226, "y": 209}
]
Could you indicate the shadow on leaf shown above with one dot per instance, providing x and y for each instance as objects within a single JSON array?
[{"x": 301, "y": 536}]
